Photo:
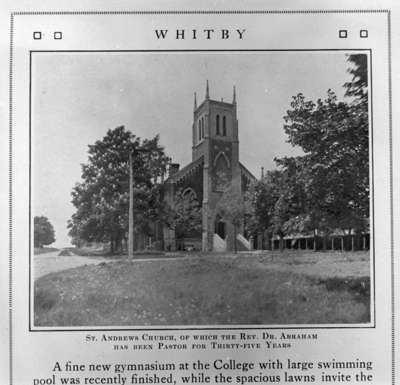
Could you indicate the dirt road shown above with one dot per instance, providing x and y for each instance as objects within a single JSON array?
[{"x": 51, "y": 262}]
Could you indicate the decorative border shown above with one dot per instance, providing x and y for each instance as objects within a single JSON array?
[
  {"x": 201, "y": 12},
  {"x": 10, "y": 200},
  {"x": 392, "y": 278},
  {"x": 186, "y": 12}
]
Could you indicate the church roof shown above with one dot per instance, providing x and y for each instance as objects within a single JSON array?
[
  {"x": 186, "y": 171},
  {"x": 247, "y": 173},
  {"x": 192, "y": 167}
]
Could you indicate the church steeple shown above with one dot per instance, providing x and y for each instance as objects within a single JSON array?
[
  {"x": 195, "y": 101},
  {"x": 207, "y": 90},
  {"x": 234, "y": 95}
]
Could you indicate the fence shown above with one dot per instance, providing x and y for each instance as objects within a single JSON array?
[{"x": 350, "y": 242}]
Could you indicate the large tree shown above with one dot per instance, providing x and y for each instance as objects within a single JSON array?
[
  {"x": 43, "y": 232},
  {"x": 327, "y": 187},
  {"x": 334, "y": 137},
  {"x": 102, "y": 198},
  {"x": 261, "y": 200}
]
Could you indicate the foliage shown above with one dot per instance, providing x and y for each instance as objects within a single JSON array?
[
  {"x": 358, "y": 86},
  {"x": 260, "y": 200},
  {"x": 102, "y": 198},
  {"x": 43, "y": 232},
  {"x": 334, "y": 137},
  {"x": 231, "y": 206},
  {"x": 327, "y": 187},
  {"x": 232, "y": 209},
  {"x": 186, "y": 216}
]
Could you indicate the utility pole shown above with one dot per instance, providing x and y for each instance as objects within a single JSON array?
[
  {"x": 130, "y": 231},
  {"x": 131, "y": 219}
]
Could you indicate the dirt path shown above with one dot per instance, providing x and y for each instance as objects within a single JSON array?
[{"x": 51, "y": 262}]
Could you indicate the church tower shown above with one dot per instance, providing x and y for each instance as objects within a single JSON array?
[{"x": 215, "y": 138}]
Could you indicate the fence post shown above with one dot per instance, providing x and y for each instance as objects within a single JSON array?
[{"x": 342, "y": 243}]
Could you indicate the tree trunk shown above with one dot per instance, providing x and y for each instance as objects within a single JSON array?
[
  {"x": 118, "y": 245},
  {"x": 124, "y": 244},
  {"x": 260, "y": 241},
  {"x": 112, "y": 246},
  {"x": 324, "y": 243},
  {"x": 267, "y": 241},
  {"x": 234, "y": 239},
  {"x": 280, "y": 243}
]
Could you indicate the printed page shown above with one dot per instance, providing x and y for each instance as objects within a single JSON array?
[{"x": 200, "y": 195}]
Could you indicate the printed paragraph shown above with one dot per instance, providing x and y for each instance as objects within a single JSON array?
[{"x": 218, "y": 371}]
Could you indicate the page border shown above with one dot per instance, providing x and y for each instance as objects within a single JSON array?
[{"x": 310, "y": 11}]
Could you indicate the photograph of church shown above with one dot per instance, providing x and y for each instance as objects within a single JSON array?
[
  {"x": 201, "y": 189},
  {"x": 215, "y": 165}
]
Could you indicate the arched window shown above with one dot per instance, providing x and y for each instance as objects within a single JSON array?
[
  {"x": 224, "y": 126},
  {"x": 217, "y": 124},
  {"x": 199, "y": 129},
  {"x": 202, "y": 128}
]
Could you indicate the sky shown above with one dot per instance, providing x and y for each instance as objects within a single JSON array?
[{"x": 77, "y": 97}]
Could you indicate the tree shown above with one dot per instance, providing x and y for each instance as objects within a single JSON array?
[
  {"x": 186, "y": 216},
  {"x": 327, "y": 187},
  {"x": 290, "y": 205},
  {"x": 102, "y": 198},
  {"x": 358, "y": 86},
  {"x": 231, "y": 208},
  {"x": 333, "y": 172},
  {"x": 43, "y": 232},
  {"x": 261, "y": 199}
]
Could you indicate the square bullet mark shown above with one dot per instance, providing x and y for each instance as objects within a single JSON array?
[
  {"x": 37, "y": 35},
  {"x": 343, "y": 33},
  {"x": 364, "y": 33},
  {"x": 57, "y": 35}
]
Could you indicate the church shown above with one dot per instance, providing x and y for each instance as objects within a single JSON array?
[{"x": 214, "y": 166}]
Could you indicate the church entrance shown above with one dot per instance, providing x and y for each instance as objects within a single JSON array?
[
  {"x": 219, "y": 239},
  {"x": 220, "y": 228}
]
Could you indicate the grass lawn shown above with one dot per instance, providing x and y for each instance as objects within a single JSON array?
[{"x": 269, "y": 288}]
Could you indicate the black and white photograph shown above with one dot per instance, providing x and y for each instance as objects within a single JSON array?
[
  {"x": 201, "y": 188},
  {"x": 200, "y": 193}
]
